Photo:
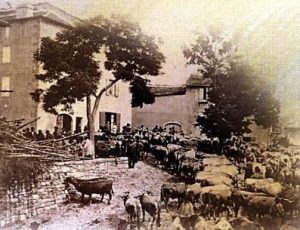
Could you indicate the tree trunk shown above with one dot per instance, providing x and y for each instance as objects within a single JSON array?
[
  {"x": 91, "y": 126},
  {"x": 92, "y": 112},
  {"x": 92, "y": 133},
  {"x": 88, "y": 110}
]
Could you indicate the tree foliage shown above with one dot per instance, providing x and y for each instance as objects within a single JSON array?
[
  {"x": 237, "y": 97},
  {"x": 212, "y": 52},
  {"x": 69, "y": 64}
]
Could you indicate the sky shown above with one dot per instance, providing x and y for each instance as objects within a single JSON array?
[{"x": 269, "y": 34}]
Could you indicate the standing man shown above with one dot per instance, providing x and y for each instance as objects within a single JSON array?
[
  {"x": 114, "y": 129},
  {"x": 277, "y": 212},
  {"x": 131, "y": 154},
  {"x": 56, "y": 134},
  {"x": 48, "y": 136},
  {"x": 40, "y": 136},
  {"x": 88, "y": 147}
]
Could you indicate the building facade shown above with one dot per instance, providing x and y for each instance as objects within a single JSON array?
[
  {"x": 180, "y": 106},
  {"x": 175, "y": 106},
  {"x": 21, "y": 30}
]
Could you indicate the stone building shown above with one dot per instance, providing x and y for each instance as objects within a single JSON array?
[
  {"x": 175, "y": 106},
  {"x": 178, "y": 106},
  {"x": 21, "y": 30}
]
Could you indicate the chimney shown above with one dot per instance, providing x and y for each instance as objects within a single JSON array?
[{"x": 24, "y": 11}]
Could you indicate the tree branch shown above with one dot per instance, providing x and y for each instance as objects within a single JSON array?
[{"x": 98, "y": 97}]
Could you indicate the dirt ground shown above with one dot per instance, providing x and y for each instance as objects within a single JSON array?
[{"x": 101, "y": 215}]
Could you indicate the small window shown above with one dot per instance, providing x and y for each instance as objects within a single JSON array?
[
  {"x": 6, "y": 55},
  {"x": 6, "y": 32},
  {"x": 5, "y": 86},
  {"x": 116, "y": 90},
  {"x": 109, "y": 91},
  {"x": 112, "y": 90},
  {"x": 203, "y": 94}
]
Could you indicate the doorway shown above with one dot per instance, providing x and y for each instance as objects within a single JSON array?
[{"x": 64, "y": 122}]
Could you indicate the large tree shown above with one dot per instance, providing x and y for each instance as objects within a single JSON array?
[
  {"x": 69, "y": 64},
  {"x": 237, "y": 98}
]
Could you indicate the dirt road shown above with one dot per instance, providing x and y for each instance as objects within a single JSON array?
[{"x": 100, "y": 215}]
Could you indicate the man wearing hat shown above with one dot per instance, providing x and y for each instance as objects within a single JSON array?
[{"x": 277, "y": 212}]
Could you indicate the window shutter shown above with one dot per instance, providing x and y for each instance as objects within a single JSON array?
[
  {"x": 205, "y": 93},
  {"x": 201, "y": 94},
  {"x": 117, "y": 89},
  {"x": 101, "y": 119},
  {"x": 118, "y": 122}
]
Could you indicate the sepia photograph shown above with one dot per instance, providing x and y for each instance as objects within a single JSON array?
[{"x": 149, "y": 115}]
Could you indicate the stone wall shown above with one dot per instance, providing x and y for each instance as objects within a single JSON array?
[{"x": 23, "y": 201}]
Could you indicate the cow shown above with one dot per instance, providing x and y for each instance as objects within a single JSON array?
[
  {"x": 150, "y": 206},
  {"x": 240, "y": 198},
  {"x": 231, "y": 170},
  {"x": 267, "y": 186},
  {"x": 160, "y": 153},
  {"x": 217, "y": 197},
  {"x": 89, "y": 187},
  {"x": 173, "y": 159},
  {"x": 213, "y": 178},
  {"x": 290, "y": 200},
  {"x": 194, "y": 192},
  {"x": 132, "y": 207},
  {"x": 259, "y": 206},
  {"x": 245, "y": 224},
  {"x": 172, "y": 190},
  {"x": 146, "y": 148}
]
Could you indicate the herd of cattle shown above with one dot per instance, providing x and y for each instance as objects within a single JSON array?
[{"x": 245, "y": 187}]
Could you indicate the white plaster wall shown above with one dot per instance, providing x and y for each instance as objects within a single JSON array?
[{"x": 108, "y": 103}]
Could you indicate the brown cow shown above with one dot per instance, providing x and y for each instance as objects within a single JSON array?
[
  {"x": 172, "y": 190},
  {"x": 96, "y": 186}
]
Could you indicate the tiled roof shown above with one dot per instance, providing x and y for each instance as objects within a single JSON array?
[
  {"x": 160, "y": 91},
  {"x": 196, "y": 80}
]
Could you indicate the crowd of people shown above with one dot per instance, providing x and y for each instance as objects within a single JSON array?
[
  {"x": 108, "y": 140},
  {"x": 31, "y": 134}
]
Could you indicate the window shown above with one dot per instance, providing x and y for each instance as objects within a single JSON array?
[
  {"x": 6, "y": 32},
  {"x": 116, "y": 90},
  {"x": 78, "y": 128},
  {"x": 5, "y": 85},
  {"x": 203, "y": 94},
  {"x": 113, "y": 91},
  {"x": 108, "y": 91},
  {"x": 6, "y": 54}
]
